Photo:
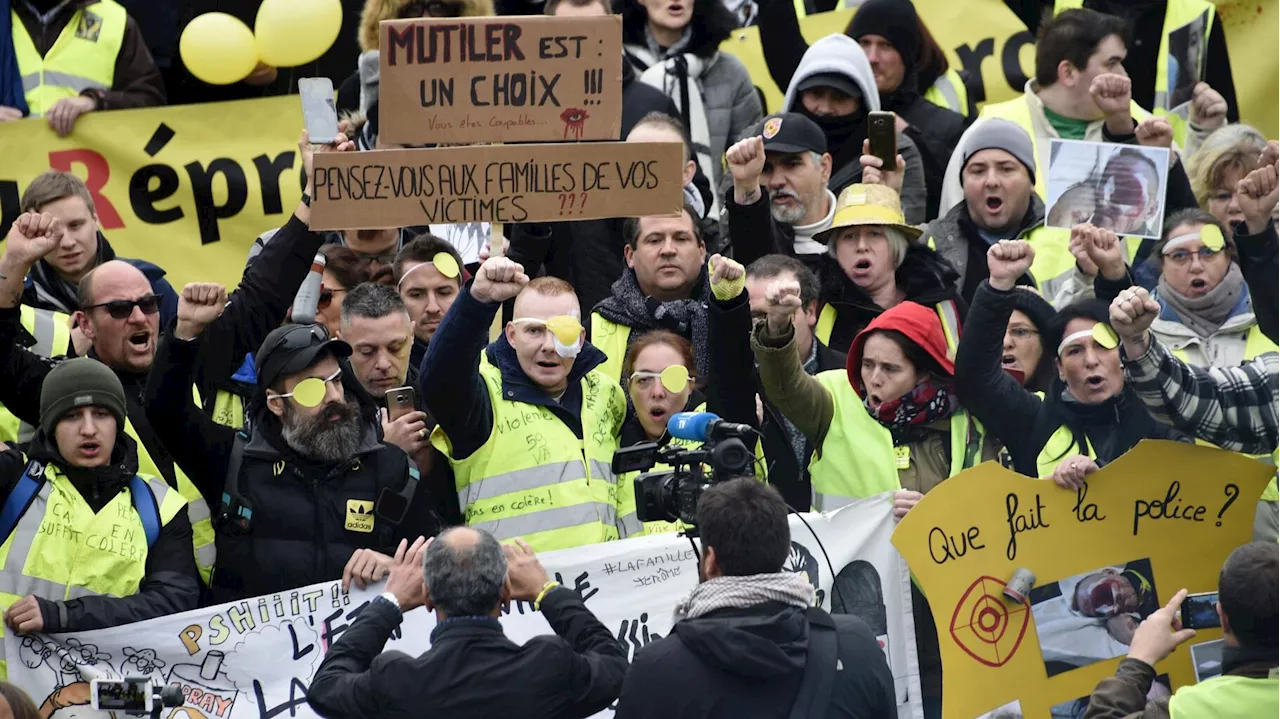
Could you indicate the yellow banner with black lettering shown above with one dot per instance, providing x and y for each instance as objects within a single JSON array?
[{"x": 186, "y": 187}]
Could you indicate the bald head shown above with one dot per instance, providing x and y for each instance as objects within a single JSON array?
[
  {"x": 119, "y": 314},
  {"x": 466, "y": 573}
]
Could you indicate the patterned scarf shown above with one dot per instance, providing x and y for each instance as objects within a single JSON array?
[
  {"x": 687, "y": 318},
  {"x": 928, "y": 401},
  {"x": 742, "y": 592}
]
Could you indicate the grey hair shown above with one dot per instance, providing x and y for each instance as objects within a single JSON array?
[
  {"x": 898, "y": 243},
  {"x": 372, "y": 301},
  {"x": 466, "y": 581},
  {"x": 816, "y": 157}
]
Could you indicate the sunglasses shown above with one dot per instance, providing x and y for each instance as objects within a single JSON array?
[
  {"x": 326, "y": 297},
  {"x": 121, "y": 309},
  {"x": 310, "y": 391}
]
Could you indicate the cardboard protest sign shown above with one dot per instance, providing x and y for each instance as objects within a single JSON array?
[
  {"x": 1161, "y": 518},
  {"x": 257, "y": 658},
  {"x": 1115, "y": 187},
  {"x": 509, "y": 79},
  {"x": 495, "y": 183}
]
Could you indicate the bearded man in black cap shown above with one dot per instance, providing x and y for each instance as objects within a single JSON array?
[
  {"x": 122, "y": 563},
  {"x": 309, "y": 493}
]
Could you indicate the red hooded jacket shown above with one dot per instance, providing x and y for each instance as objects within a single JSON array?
[{"x": 920, "y": 324}]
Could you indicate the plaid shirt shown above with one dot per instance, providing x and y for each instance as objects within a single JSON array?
[{"x": 1231, "y": 407}]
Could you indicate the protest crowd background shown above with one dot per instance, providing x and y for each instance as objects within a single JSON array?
[{"x": 884, "y": 249}]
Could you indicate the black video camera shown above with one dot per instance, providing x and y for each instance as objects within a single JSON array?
[{"x": 673, "y": 495}]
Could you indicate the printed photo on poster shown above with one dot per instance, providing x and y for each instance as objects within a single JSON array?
[
  {"x": 1078, "y": 707},
  {"x": 1091, "y": 617},
  {"x": 1207, "y": 658},
  {"x": 1115, "y": 187},
  {"x": 1012, "y": 710},
  {"x": 1188, "y": 53}
]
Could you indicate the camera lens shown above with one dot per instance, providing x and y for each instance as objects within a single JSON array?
[{"x": 731, "y": 457}]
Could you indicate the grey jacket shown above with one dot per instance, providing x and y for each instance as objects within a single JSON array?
[
  {"x": 729, "y": 99},
  {"x": 950, "y": 234}
]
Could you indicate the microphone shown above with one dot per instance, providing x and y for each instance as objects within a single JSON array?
[{"x": 703, "y": 426}]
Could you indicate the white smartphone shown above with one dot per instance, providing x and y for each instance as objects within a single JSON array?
[
  {"x": 131, "y": 696},
  {"x": 319, "y": 112}
]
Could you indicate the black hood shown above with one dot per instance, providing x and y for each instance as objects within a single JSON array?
[{"x": 764, "y": 642}]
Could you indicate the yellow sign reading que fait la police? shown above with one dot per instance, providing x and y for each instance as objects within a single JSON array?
[
  {"x": 1161, "y": 518},
  {"x": 149, "y": 169}
]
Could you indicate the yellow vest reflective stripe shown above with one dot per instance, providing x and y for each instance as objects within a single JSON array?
[
  {"x": 202, "y": 538},
  {"x": 948, "y": 91},
  {"x": 1226, "y": 697},
  {"x": 1060, "y": 445},
  {"x": 947, "y": 314},
  {"x": 1177, "y": 14},
  {"x": 61, "y": 549},
  {"x": 611, "y": 339},
  {"x": 1256, "y": 343},
  {"x": 228, "y": 407},
  {"x": 82, "y": 58},
  {"x": 52, "y": 331},
  {"x": 1018, "y": 111},
  {"x": 534, "y": 479},
  {"x": 856, "y": 457}
]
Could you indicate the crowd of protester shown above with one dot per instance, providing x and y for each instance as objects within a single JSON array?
[{"x": 882, "y": 328}]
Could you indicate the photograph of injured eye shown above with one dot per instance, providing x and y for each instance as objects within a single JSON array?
[{"x": 1115, "y": 187}]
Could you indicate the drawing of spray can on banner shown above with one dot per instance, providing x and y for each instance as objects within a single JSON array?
[{"x": 208, "y": 692}]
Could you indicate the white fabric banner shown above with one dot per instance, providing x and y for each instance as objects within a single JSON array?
[{"x": 254, "y": 659}]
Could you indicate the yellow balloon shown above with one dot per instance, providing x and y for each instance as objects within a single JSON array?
[
  {"x": 296, "y": 32},
  {"x": 218, "y": 48}
]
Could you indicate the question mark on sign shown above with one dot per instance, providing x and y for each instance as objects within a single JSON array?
[{"x": 1232, "y": 492}]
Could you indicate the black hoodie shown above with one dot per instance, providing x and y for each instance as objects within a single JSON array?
[{"x": 749, "y": 662}]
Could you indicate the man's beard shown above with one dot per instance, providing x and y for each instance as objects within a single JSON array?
[
  {"x": 317, "y": 438},
  {"x": 787, "y": 214}
]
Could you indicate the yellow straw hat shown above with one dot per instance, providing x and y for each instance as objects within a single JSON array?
[{"x": 871, "y": 205}]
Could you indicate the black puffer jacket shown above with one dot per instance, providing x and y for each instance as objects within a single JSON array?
[
  {"x": 308, "y": 517},
  {"x": 923, "y": 276}
]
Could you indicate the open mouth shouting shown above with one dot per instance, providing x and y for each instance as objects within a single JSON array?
[{"x": 90, "y": 449}]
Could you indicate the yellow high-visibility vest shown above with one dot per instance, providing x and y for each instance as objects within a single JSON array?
[
  {"x": 1178, "y": 14},
  {"x": 949, "y": 92},
  {"x": 82, "y": 58},
  {"x": 856, "y": 459},
  {"x": 75, "y": 552},
  {"x": 534, "y": 479},
  {"x": 610, "y": 338},
  {"x": 52, "y": 331},
  {"x": 1227, "y": 697}
]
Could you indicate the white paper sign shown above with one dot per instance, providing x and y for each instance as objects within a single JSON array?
[{"x": 254, "y": 659}]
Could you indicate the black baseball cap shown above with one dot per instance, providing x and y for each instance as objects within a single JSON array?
[
  {"x": 293, "y": 348},
  {"x": 792, "y": 132},
  {"x": 839, "y": 81}
]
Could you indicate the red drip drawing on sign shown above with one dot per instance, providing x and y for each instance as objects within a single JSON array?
[
  {"x": 574, "y": 119},
  {"x": 986, "y": 625}
]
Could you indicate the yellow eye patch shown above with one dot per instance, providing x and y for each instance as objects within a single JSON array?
[
  {"x": 675, "y": 378},
  {"x": 446, "y": 265},
  {"x": 566, "y": 328},
  {"x": 1105, "y": 336},
  {"x": 1212, "y": 237},
  {"x": 309, "y": 392}
]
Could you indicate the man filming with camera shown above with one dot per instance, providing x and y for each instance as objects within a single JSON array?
[{"x": 747, "y": 640}]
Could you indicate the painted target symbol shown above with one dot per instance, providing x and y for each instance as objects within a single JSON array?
[{"x": 986, "y": 625}]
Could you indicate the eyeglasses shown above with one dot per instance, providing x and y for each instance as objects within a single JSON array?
[
  {"x": 121, "y": 309},
  {"x": 1182, "y": 258},
  {"x": 675, "y": 379},
  {"x": 310, "y": 391},
  {"x": 326, "y": 297},
  {"x": 1022, "y": 333}
]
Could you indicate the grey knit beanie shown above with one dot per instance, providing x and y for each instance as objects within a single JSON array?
[
  {"x": 80, "y": 382},
  {"x": 999, "y": 134}
]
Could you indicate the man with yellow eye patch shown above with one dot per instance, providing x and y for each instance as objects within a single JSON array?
[
  {"x": 529, "y": 422},
  {"x": 308, "y": 492},
  {"x": 1088, "y": 418}
]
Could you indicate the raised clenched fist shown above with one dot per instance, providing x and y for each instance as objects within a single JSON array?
[
  {"x": 199, "y": 305},
  {"x": 1155, "y": 132},
  {"x": 498, "y": 280},
  {"x": 1257, "y": 195},
  {"x": 1007, "y": 260},
  {"x": 1112, "y": 93},
  {"x": 746, "y": 162},
  {"x": 32, "y": 236},
  {"x": 1208, "y": 107},
  {"x": 1132, "y": 312},
  {"x": 782, "y": 299}
]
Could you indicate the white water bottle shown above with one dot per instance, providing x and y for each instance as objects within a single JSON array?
[{"x": 307, "y": 301}]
